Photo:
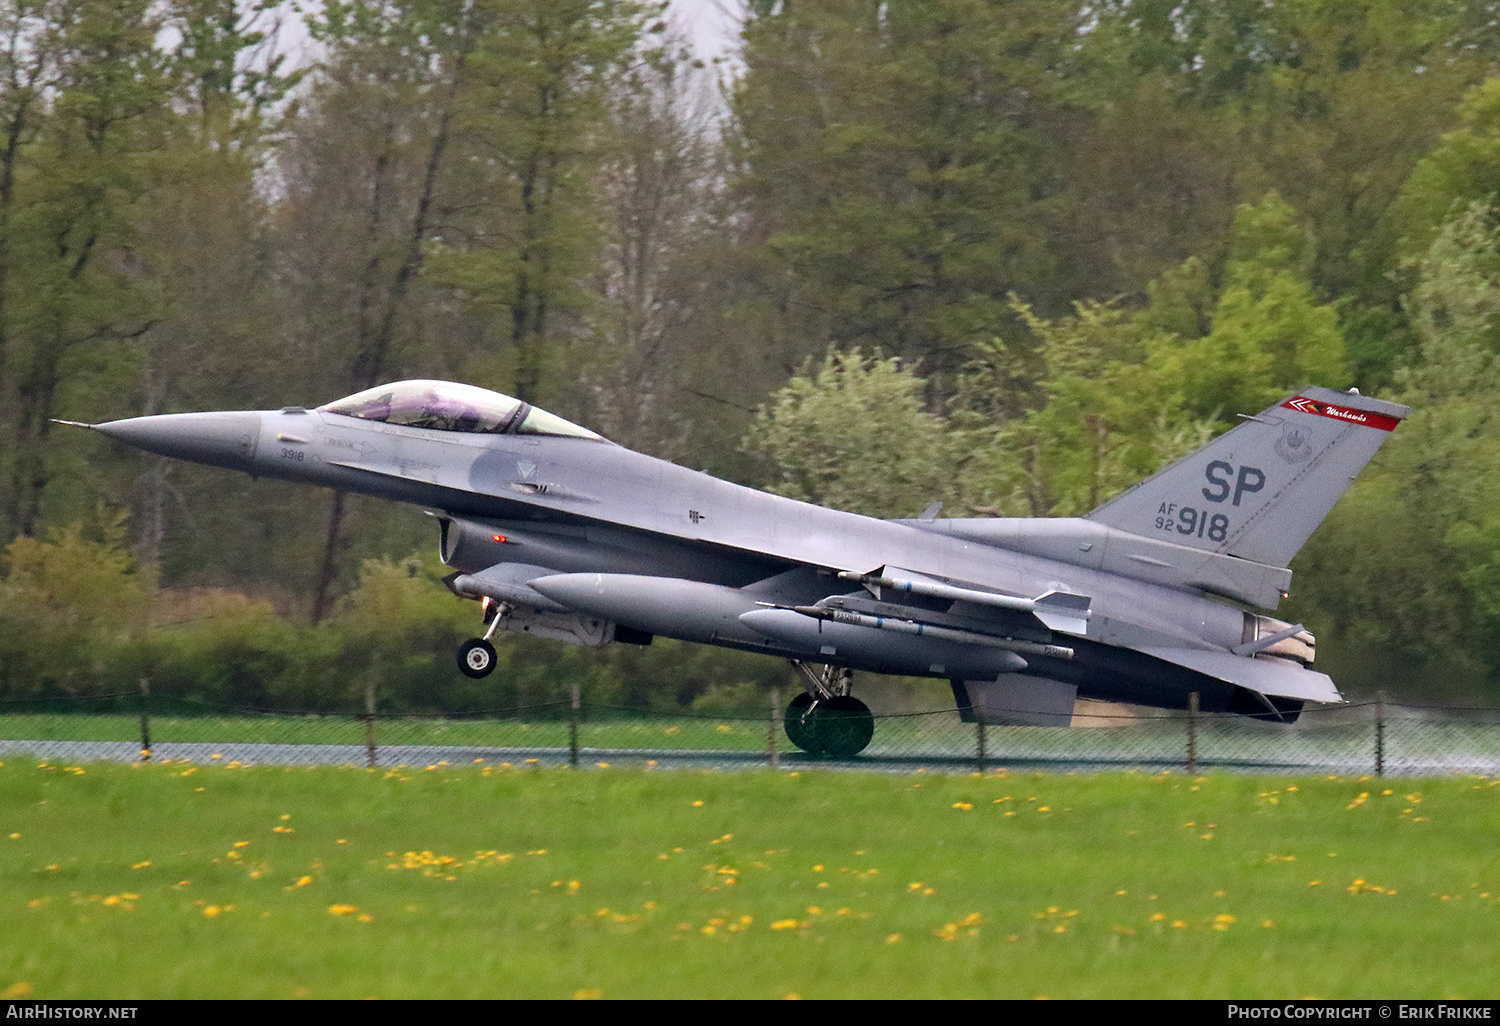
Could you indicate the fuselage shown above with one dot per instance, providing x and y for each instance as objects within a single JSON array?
[
  {"x": 564, "y": 534},
  {"x": 574, "y": 504}
]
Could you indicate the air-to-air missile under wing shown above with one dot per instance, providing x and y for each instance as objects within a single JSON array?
[{"x": 562, "y": 534}]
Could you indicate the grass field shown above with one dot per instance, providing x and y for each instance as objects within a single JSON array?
[
  {"x": 149, "y": 881},
  {"x": 731, "y": 734}
]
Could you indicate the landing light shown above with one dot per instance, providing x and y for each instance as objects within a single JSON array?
[{"x": 500, "y": 538}]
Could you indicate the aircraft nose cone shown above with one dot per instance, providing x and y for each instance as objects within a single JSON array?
[{"x": 219, "y": 439}]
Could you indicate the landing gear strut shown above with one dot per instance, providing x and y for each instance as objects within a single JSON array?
[
  {"x": 827, "y": 720},
  {"x": 476, "y": 657}
]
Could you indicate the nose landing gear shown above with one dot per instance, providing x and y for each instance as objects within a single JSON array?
[
  {"x": 476, "y": 657},
  {"x": 827, "y": 720}
]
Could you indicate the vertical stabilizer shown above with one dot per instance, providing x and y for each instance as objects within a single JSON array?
[{"x": 1260, "y": 490}]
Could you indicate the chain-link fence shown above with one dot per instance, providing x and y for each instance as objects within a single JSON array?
[{"x": 1373, "y": 738}]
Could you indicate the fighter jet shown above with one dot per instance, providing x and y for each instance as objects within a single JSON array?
[{"x": 1158, "y": 595}]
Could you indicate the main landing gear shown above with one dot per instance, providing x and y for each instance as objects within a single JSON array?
[
  {"x": 476, "y": 657},
  {"x": 825, "y": 719}
]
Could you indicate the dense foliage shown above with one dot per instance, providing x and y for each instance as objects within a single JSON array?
[{"x": 1008, "y": 256}]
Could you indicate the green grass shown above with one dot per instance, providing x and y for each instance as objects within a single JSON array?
[
  {"x": 154, "y": 881},
  {"x": 934, "y": 735},
  {"x": 679, "y": 732}
]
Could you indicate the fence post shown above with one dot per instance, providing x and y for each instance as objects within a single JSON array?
[
  {"x": 370, "y": 723},
  {"x": 979, "y": 741},
  {"x": 1192, "y": 759},
  {"x": 573, "y": 727},
  {"x": 1379, "y": 738},
  {"x": 145, "y": 720},
  {"x": 771, "y": 728}
]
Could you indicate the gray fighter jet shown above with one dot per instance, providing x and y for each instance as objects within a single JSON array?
[{"x": 559, "y": 533}]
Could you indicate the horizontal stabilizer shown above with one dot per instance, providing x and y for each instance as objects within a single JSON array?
[{"x": 1276, "y": 677}]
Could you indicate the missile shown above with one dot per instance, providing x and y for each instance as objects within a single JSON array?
[
  {"x": 1059, "y": 611},
  {"x": 856, "y": 644},
  {"x": 887, "y": 623}
]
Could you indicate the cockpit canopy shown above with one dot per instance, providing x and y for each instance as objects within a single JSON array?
[{"x": 449, "y": 406}]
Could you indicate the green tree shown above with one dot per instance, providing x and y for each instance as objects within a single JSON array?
[
  {"x": 1105, "y": 418},
  {"x": 898, "y": 162},
  {"x": 522, "y": 235},
  {"x": 438, "y": 192},
  {"x": 1195, "y": 107},
  {"x": 91, "y": 87},
  {"x": 73, "y": 606},
  {"x": 1407, "y": 571},
  {"x": 1268, "y": 335},
  {"x": 851, "y": 433},
  {"x": 1462, "y": 169},
  {"x": 397, "y": 631}
]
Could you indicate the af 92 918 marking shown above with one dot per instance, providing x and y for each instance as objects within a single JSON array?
[{"x": 1190, "y": 521}]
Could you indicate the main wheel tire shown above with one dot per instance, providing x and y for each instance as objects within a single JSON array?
[
  {"x": 844, "y": 726},
  {"x": 476, "y": 658},
  {"x": 800, "y": 724}
]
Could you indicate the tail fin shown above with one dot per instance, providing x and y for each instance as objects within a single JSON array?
[{"x": 1260, "y": 490}]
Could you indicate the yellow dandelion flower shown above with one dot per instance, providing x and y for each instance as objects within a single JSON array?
[{"x": 893, "y": 938}]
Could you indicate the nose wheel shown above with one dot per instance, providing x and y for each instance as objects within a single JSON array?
[
  {"x": 836, "y": 725},
  {"x": 476, "y": 658}
]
